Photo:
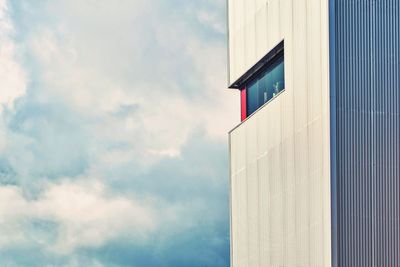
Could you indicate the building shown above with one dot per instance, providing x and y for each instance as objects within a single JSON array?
[{"x": 315, "y": 162}]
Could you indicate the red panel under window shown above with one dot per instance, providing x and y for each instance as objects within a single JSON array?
[{"x": 243, "y": 104}]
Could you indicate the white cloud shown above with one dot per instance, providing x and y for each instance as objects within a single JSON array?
[
  {"x": 12, "y": 208},
  {"x": 12, "y": 76},
  {"x": 2, "y": 135},
  {"x": 212, "y": 20},
  {"x": 77, "y": 263},
  {"x": 94, "y": 69},
  {"x": 115, "y": 85},
  {"x": 84, "y": 213}
]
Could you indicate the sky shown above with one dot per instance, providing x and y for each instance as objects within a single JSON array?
[{"x": 114, "y": 117}]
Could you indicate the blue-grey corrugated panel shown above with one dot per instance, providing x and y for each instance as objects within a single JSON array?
[{"x": 366, "y": 127}]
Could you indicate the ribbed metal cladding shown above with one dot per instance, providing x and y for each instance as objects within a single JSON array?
[{"x": 367, "y": 127}]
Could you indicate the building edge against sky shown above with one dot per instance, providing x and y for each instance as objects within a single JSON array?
[
  {"x": 314, "y": 164},
  {"x": 280, "y": 162}
]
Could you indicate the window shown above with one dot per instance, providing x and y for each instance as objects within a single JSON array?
[
  {"x": 262, "y": 82},
  {"x": 266, "y": 85}
]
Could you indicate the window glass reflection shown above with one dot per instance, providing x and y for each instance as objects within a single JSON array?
[
  {"x": 262, "y": 90},
  {"x": 252, "y": 100},
  {"x": 266, "y": 86}
]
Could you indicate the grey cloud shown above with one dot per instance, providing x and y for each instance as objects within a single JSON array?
[{"x": 125, "y": 95}]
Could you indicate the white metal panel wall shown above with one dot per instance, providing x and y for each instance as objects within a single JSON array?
[
  {"x": 280, "y": 165},
  {"x": 249, "y": 34}
]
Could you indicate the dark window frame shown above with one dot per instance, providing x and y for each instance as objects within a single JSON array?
[
  {"x": 261, "y": 73},
  {"x": 266, "y": 60}
]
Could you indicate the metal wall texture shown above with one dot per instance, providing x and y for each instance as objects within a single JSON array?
[
  {"x": 366, "y": 127},
  {"x": 249, "y": 37},
  {"x": 280, "y": 155}
]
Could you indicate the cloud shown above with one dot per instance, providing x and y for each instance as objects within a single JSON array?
[
  {"x": 67, "y": 216},
  {"x": 115, "y": 146},
  {"x": 12, "y": 76}
]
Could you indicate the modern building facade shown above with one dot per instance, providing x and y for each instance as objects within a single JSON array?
[{"x": 315, "y": 162}]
